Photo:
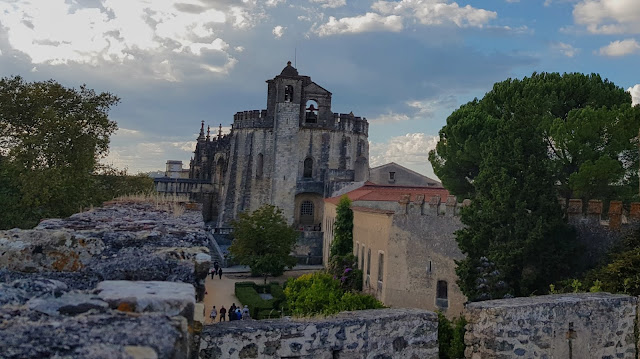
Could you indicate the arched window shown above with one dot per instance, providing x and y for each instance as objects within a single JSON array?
[
  {"x": 311, "y": 111},
  {"x": 288, "y": 93},
  {"x": 259, "y": 165},
  {"x": 308, "y": 168}
]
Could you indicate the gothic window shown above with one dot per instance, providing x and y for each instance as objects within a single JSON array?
[
  {"x": 308, "y": 168},
  {"x": 362, "y": 258},
  {"x": 288, "y": 93},
  {"x": 442, "y": 295},
  {"x": 259, "y": 165},
  {"x": 360, "y": 169},
  {"x": 311, "y": 112},
  {"x": 369, "y": 261}
]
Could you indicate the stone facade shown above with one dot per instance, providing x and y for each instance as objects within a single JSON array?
[
  {"x": 292, "y": 154},
  {"x": 392, "y": 174},
  {"x": 571, "y": 326},
  {"x": 381, "y": 333},
  {"x": 405, "y": 244}
]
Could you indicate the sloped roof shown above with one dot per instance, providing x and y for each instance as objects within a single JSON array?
[
  {"x": 393, "y": 164},
  {"x": 289, "y": 70},
  {"x": 373, "y": 192}
]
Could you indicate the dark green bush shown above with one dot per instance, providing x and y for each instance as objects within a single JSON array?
[
  {"x": 451, "y": 337},
  {"x": 247, "y": 294}
]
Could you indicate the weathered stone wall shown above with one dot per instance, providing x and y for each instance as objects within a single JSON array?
[
  {"x": 571, "y": 326},
  {"x": 382, "y": 333}
]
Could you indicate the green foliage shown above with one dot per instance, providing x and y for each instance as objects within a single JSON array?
[
  {"x": 514, "y": 152},
  {"x": 51, "y": 139},
  {"x": 587, "y": 125},
  {"x": 320, "y": 293},
  {"x": 515, "y": 221},
  {"x": 451, "y": 337},
  {"x": 621, "y": 272},
  {"x": 344, "y": 269},
  {"x": 263, "y": 241},
  {"x": 343, "y": 235},
  {"x": 247, "y": 294}
]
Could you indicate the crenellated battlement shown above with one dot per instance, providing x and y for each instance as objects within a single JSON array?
[
  {"x": 251, "y": 119},
  {"x": 578, "y": 214},
  {"x": 433, "y": 208},
  {"x": 350, "y": 123}
]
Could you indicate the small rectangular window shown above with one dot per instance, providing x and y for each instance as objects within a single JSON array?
[
  {"x": 442, "y": 295},
  {"x": 392, "y": 176},
  {"x": 369, "y": 261},
  {"x": 380, "y": 266}
]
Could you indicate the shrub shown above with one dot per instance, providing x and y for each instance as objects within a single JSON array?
[
  {"x": 247, "y": 295},
  {"x": 451, "y": 337},
  {"x": 320, "y": 293}
]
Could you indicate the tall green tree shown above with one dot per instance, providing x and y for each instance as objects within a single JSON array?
[
  {"x": 51, "y": 138},
  {"x": 525, "y": 144},
  {"x": 263, "y": 241},
  {"x": 588, "y": 125},
  {"x": 514, "y": 238},
  {"x": 343, "y": 229}
]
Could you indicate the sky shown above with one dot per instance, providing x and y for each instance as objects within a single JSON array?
[{"x": 405, "y": 65}]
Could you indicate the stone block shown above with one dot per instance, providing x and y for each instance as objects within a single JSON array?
[
  {"x": 581, "y": 325},
  {"x": 615, "y": 215},
  {"x": 170, "y": 298}
]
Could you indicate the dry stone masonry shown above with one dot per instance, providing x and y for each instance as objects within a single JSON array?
[
  {"x": 568, "y": 326},
  {"x": 115, "y": 282},
  {"x": 381, "y": 334}
]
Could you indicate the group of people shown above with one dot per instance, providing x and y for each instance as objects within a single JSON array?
[
  {"x": 235, "y": 313},
  {"x": 216, "y": 270}
]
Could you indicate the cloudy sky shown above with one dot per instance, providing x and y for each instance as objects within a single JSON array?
[{"x": 405, "y": 65}]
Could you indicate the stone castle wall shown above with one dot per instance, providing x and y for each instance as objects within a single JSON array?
[
  {"x": 382, "y": 333},
  {"x": 568, "y": 326}
]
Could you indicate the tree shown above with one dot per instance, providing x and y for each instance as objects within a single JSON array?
[
  {"x": 514, "y": 238},
  {"x": 51, "y": 138},
  {"x": 343, "y": 235},
  {"x": 588, "y": 125},
  {"x": 263, "y": 241},
  {"x": 515, "y": 152}
]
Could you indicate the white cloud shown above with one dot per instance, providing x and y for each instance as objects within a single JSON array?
[
  {"x": 278, "y": 31},
  {"x": 566, "y": 49},
  {"x": 390, "y": 117},
  {"x": 635, "y": 94},
  {"x": 155, "y": 34},
  {"x": 363, "y": 23},
  {"x": 330, "y": 3},
  {"x": 425, "y": 109},
  {"x": 620, "y": 48},
  {"x": 512, "y": 1},
  {"x": 410, "y": 150},
  {"x": 436, "y": 12},
  {"x": 608, "y": 16}
]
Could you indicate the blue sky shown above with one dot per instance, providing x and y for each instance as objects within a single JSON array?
[{"x": 405, "y": 65}]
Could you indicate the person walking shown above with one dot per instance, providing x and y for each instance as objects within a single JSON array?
[
  {"x": 213, "y": 314},
  {"x": 232, "y": 312},
  {"x": 213, "y": 272},
  {"x": 222, "y": 313},
  {"x": 238, "y": 314},
  {"x": 245, "y": 313},
  {"x": 216, "y": 265},
  {"x": 220, "y": 272}
]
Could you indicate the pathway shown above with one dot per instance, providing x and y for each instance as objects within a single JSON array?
[{"x": 220, "y": 292}]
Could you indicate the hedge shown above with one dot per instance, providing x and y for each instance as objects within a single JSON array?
[{"x": 247, "y": 294}]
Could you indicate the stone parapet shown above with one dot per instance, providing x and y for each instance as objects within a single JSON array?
[
  {"x": 382, "y": 333},
  {"x": 581, "y": 325}
]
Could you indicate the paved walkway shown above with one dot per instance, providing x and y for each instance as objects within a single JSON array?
[{"x": 220, "y": 292}]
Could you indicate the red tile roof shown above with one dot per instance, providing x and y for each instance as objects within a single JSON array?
[{"x": 373, "y": 192}]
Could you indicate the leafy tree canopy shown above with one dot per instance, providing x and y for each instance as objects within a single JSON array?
[
  {"x": 263, "y": 241},
  {"x": 525, "y": 144},
  {"x": 343, "y": 234},
  {"x": 587, "y": 124},
  {"x": 51, "y": 138}
]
